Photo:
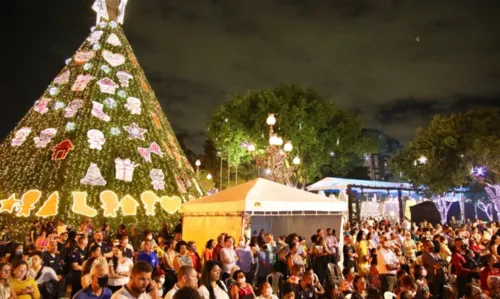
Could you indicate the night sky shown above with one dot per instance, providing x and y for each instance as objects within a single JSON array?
[{"x": 393, "y": 62}]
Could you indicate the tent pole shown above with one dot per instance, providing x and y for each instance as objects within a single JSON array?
[
  {"x": 228, "y": 172},
  {"x": 220, "y": 179}
]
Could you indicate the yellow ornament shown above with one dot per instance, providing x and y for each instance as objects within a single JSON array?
[
  {"x": 129, "y": 206},
  {"x": 28, "y": 201},
  {"x": 49, "y": 207},
  {"x": 8, "y": 205},
  {"x": 80, "y": 205},
  {"x": 110, "y": 203}
]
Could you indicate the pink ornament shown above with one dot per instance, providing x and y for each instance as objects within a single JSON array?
[
  {"x": 73, "y": 108},
  {"x": 42, "y": 105},
  {"x": 45, "y": 137},
  {"x": 62, "y": 78},
  {"x": 81, "y": 82},
  {"x": 114, "y": 59},
  {"x": 124, "y": 169},
  {"x": 124, "y": 78},
  {"x": 20, "y": 136},
  {"x": 107, "y": 85},
  {"x": 82, "y": 57},
  {"x": 154, "y": 148}
]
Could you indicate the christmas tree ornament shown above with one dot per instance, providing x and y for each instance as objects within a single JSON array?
[
  {"x": 93, "y": 176},
  {"x": 49, "y": 207},
  {"x": 129, "y": 206},
  {"x": 149, "y": 199},
  {"x": 80, "y": 205},
  {"x": 122, "y": 94},
  {"x": 171, "y": 204},
  {"x": 28, "y": 201},
  {"x": 95, "y": 36},
  {"x": 97, "y": 111},
  {"x": 82, "y": 57},
  {"x": 157, "y": 179},
  {"x": 107, "y": 85},
  {"x": 180, "y": 184},
  {"x": 87, "y": 66},
  {"x": 124, "y": 78},
  {"x": 58, "y": 105},
  {"x": 154, "y": 148},
  {"x": 105, "y": 68},
  {"x": 115, "y": 131},
  {"x": 20, "y": 136},
  {"x": 114, "y": 40},
  {"x": 145, "y": 86},
  {"x": 197, "y": 186},
  {"x": 92, "y": 29},
  {"x": 45, "y": 137},
  {"x": 70, "y": 126},
  {"x": 9, "y": 205},
  {"x": 62, "y": 78},
  {"x": 156, "y": 120},
  {"x": 134, "y": 132},
  {"x": 96, "y": 139},
  {"x": 110, "y": 203},
  {"x": 96, "y": 47},
  {"x": 133, "y": 59},
  {"x": 102, "y": 24},
  {"x": 110, "y": 103},
  {"x": 53, "y": 91},
  {"x": 67, "y": 61},
  {"x": 187, "y": 182},
  {"x": 73, "y": 108},
  {"x": 101, "y": 8},
  {"x": 41, "y": 106},
  {"x": 133, "y": 106},
  {"x": 113, "y": 24},
  {"x": 61, "y": 150},
  {"x": 81, "y": 82},
  {"x": 167, "y": 149},
  {"x": 114, "y": 59},
  {"x": 124, "y": 169}
]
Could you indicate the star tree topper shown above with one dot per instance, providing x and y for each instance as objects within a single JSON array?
[{"x": 101, "y": 8}]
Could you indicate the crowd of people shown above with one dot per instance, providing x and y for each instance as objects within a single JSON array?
[{"x": 378, "y": 259}]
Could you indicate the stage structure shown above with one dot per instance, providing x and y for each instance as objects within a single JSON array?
[{"x": 363, "y": 197}]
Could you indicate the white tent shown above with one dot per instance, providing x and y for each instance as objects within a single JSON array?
[{"x": 260, "y": 204}]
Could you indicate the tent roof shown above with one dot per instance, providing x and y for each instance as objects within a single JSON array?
[
  {"x": 261, "y": 195},
  {"x": 342, "y": 184}
]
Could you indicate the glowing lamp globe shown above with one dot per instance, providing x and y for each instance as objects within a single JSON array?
[
  {"x": 279, "y": 141},
  {"x": 197, "y": 163},
  {"x": 288, "y": 146},
  {"x": 274, "y": 140},
  {"x": 209, "y": 176},
  {"x": 268, "y": 171},
  {"x": 271, "y": 120},
  {"x": 251, "y": 147},
  {"x": 296, "y": 160}
]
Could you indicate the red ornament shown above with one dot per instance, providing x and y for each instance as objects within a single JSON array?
[{"x": 61, "y": 150}]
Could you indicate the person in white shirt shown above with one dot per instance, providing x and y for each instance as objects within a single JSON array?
[
  {"x": 211, "y": 285},
  {"x": 387, "y": 265},
  {"x": 119, "y": 269},
  {"x": 140, "y": 285},
  {"x": 228, "y": 257},
  {"x": 186, "y": 277}
]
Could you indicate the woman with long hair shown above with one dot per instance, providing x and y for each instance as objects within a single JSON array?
[
  {"x": 24, "y": 286},
  {"x": 211, "y": 287},
  {"x": 6, "y": 290},
  {"x": 183, "y": 259},
  {"x": 119, "y": 269},
  {"x": 495, "y": 241}
]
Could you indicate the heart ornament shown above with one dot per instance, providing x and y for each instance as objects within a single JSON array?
[
  {"x": 114, "y": 59},
  {"x": 171, "y": 204}
]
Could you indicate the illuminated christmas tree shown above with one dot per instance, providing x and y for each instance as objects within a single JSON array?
[{"x": 96, "y": 143}]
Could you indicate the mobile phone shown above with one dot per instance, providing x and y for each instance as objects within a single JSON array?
[{"x": 148, "y": 288}]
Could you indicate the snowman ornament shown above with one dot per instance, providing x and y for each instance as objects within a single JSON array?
[
  {"x": 133, "y": 105},
  {"x": 96, "y": 139}
]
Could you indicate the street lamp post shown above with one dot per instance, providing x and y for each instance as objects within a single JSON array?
[{"x": 197, "y": 163}]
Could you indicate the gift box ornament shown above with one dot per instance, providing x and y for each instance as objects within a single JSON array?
[{"x": 124, "y": 169}]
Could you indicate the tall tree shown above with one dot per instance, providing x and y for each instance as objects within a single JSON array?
[
  {"x": 327, "y": 139},
  {"x": 443, "y": 155}
]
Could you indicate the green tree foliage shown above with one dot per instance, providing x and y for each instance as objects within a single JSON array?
[
  {"x": 453, "y": 144},
  {"x": 317, "y": 129}
]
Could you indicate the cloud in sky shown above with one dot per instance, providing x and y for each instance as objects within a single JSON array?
[{"x": 361, "y": 54}]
